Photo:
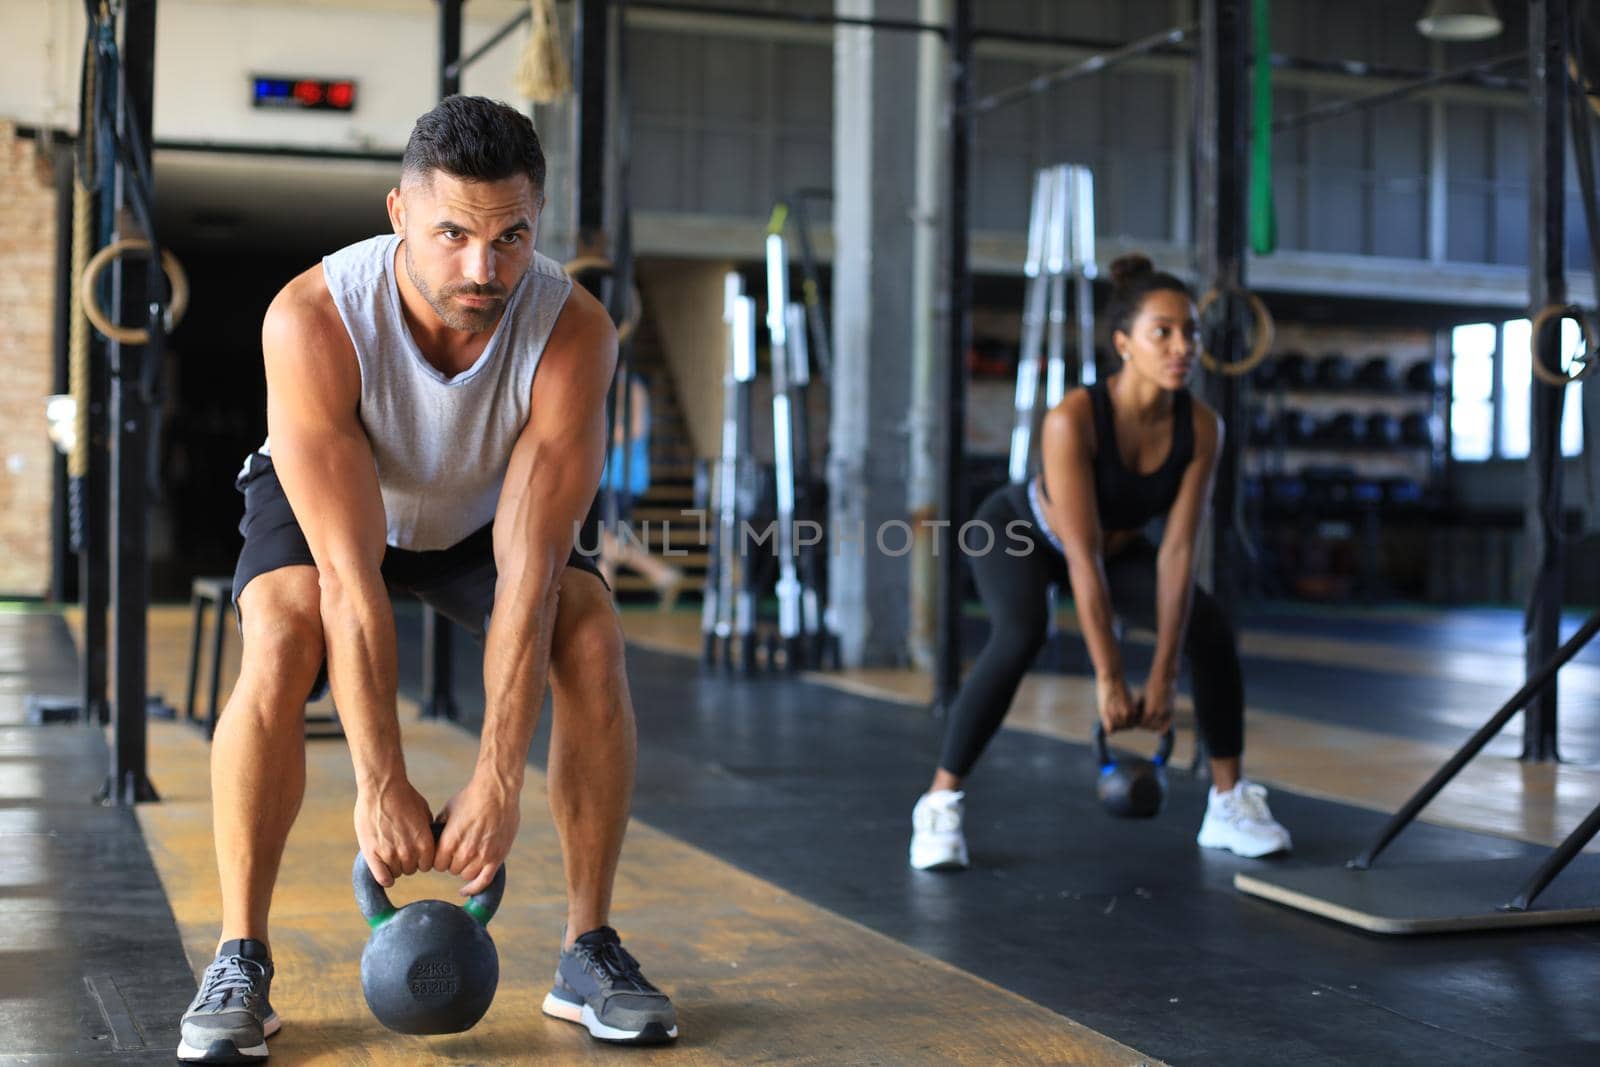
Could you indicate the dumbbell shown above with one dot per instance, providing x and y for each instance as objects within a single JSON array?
[
  {"x": 1297, "y": 427},
  {"x": 1377, "y": 374},
  {"x": 1383, "y": 430},
  {"x": 1420, "y": 377},
  {"x": 1294, "y": 370},
  {"x": 1345, "y": 428},
  {"x": 1334, "y": 371},
  {"x": 1260, "y": 426},
  {"x": 1402, "y": 491},
  {"x": 1286, "y": 490},
  {"x": 1416, "y": 429}
]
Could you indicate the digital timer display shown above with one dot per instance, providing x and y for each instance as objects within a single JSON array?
[{"x": 303, "y": 94}]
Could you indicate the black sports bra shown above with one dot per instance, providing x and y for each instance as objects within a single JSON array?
[{"x": 1127, "y": 500}]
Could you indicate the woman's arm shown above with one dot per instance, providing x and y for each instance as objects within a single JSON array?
[
  {"x": 1175, "y": 566},
  {"x": 1067, "y": 463}
]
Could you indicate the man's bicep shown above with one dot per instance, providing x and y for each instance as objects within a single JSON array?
[
  {"x": 550, "y": 483},
  {"x": 320, "y": 452},
  {"x": 555, "y": 467}
]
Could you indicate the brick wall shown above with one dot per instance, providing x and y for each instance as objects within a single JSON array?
[{"x": 27, "y": 300}]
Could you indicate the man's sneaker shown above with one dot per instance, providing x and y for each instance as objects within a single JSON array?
[
  {"x": 1240, "y": 822},
  {"x": 230, "y": 1019},
  {"x": 598, "y": 985},
  {"x": 937, "y": 843}
]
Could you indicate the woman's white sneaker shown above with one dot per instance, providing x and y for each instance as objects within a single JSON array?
[
  {"x": 1240, "y": 821},
  {"x": 937, "y": 843}
]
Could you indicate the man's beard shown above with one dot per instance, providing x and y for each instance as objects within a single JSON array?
[{"x": 455, "y": 316}]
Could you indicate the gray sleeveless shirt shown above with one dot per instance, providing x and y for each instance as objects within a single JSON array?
[{"x": 441, "y": 444}]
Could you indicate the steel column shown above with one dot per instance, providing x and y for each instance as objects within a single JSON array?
[
  {"x": 1222, "y": 179},
  {"x": 449, "y": 47},
  {"x": 958, "y": 339},
  {"x": 134, "y": 368},
  {"x": 591, "y": 48},
  {"x": 1547, "y": 284}
]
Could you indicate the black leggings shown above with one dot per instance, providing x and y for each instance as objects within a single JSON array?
[{"x": 1013, "y": 588}]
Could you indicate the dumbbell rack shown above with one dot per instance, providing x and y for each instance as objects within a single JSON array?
[{"x": 1320, "y": 485}]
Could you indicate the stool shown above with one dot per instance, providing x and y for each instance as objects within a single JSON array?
[
  {"x": 219, "y": 591},
  {"x": 203, "y": 593}
]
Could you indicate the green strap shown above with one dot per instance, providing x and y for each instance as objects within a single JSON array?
[
  {"x": 379, "y": 919},
  {"x": 1263, "y": 220},
  {"x": 478, "y": 911}
]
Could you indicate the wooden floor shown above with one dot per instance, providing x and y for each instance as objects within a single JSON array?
[
  {"x": 758, "y": 975},
  {"x": 1539, "y": 803}
]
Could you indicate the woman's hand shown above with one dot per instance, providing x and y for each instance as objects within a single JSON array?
[
  {"x": 1118, "y": 710},
  {"x": 1155, "y": 704}
]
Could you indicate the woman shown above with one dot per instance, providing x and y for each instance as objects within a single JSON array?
[{"x": 1113, "y": 457}]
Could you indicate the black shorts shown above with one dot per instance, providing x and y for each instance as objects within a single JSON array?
[{"x": 457, "y": 582}]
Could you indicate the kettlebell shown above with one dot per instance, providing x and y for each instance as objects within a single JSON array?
[
  {"x": 429, "y": 967},
  {"x": 1130, "y": 787}
]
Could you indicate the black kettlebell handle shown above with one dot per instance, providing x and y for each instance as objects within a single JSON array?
[
  {"x": 378, "y": 909},
  {"x": 1102, "y": 751}
]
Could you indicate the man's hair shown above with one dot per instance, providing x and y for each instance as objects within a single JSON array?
[{"x": 476, "y": 139}]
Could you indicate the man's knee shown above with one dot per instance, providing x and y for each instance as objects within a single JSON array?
[
  {"x": 586, "y": 651},
  {"x": 281, "y": 619}
]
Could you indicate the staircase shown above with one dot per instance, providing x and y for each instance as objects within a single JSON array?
[{"x": 658, "y": 516}]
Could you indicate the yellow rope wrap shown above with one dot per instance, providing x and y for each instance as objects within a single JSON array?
[
  {"x": 544, "y": 75},
  {"x": 78, "y": 338}
]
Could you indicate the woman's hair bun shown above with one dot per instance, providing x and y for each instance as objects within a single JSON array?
[{"x": 1127, "y": 269}]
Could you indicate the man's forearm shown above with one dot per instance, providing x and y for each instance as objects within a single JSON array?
[
  {"x": 516, "y": 667},
  {"x": 358, "y": 627}
]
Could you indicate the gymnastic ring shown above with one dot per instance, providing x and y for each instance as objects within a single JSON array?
[
  {"x": 585, "y": 264},
  {"x": 1591, "y": 343},
  {"x": 1265, "y": 333},
  {"x": 130, "y": 335}
]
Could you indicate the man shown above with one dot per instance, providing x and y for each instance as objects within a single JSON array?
[{"x": 435, "y": 415}]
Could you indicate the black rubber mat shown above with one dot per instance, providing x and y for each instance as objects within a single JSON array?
[
  {"x": 1127, "y": 927},
  {"x": 91, "y": 966}
]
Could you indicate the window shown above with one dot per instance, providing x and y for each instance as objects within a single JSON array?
[
  {"x": 1472, "y": 350},
  {"x": 1491, "y": 392}
]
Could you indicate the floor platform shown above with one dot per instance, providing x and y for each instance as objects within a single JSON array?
[{"x": 1430, "y": 898}]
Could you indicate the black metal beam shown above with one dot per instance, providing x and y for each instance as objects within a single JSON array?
[
  {"x": 1548, "y": 30},
  {"x": 1094, "y": 64},
  {"x": 1399, "y": 92},
  {"x": 454, "y": 67},
  {"x": 1537, "y": 681},
  {"x": 449, "y": 47},
  {"x": 959, "y": 337},
  {"x": 1222, "y": 193},
  {"x": 1556, "y": 862},
  {"x": 132, "y": 416},
  {"x": 92, "y": 493},
  {"x": 590, "y": 76},
  {"x": 1354, "y": 68},
  {"x": 818, "y": 18}
]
